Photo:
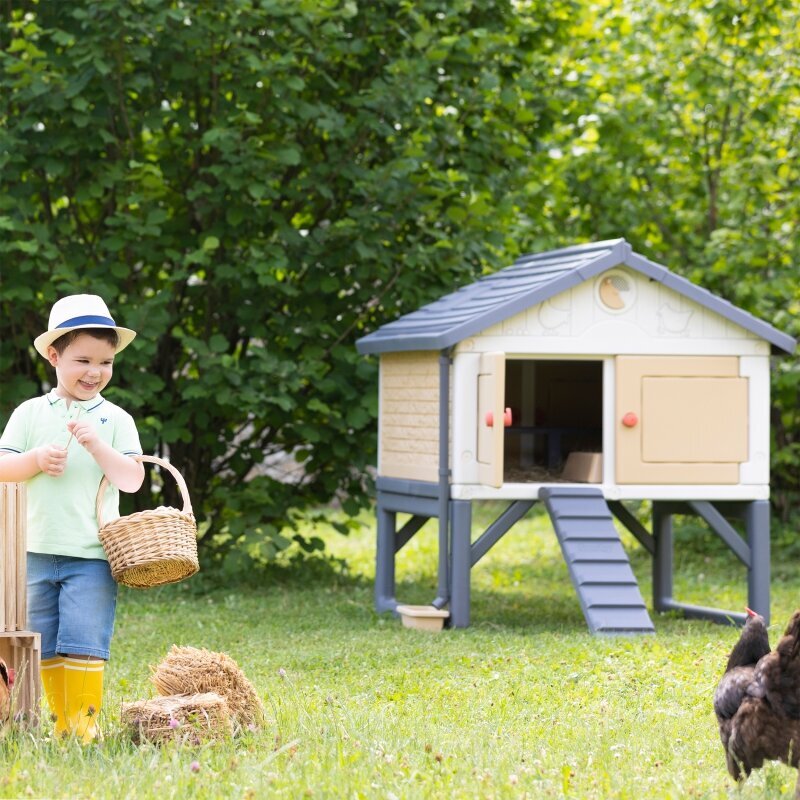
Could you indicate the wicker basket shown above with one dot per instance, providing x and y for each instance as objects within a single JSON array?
[{"x": 151, "y": 548}]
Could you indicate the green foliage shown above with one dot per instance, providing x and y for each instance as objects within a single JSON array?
[
  {"x": 679, "y": 130},
  {"x": 251, "y": 186}
]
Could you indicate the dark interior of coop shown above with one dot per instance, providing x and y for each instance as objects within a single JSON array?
[{"x": 556, "y": 409}]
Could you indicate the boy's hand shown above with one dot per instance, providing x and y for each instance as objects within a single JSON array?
[
  {"x": 51, "y": 459},
  {"x": 84, "y": 433}
]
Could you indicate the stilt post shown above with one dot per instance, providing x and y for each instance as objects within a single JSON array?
[{"x": 461, "y": 562}]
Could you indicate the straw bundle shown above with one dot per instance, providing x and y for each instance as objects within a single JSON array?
[
  {"x": 190, "y": 670},
  {"x": 193, "y": 719}
]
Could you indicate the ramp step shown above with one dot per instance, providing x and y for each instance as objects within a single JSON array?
[
  {"x": 601, "y": 572},
  {"x": 581, "y": 550},
  {"x": 598, "y": 564},
  {"x": 586, "y": 528},
  {"x": 595, "y": 594},
  {"x": 581, "y": 506},
  {"x": 619, "y": 620}
]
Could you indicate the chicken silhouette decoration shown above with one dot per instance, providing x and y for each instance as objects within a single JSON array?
[{"x": 757, "y": 701}]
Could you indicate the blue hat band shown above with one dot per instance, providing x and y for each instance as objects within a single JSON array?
[{"x": 87, "y": 319}]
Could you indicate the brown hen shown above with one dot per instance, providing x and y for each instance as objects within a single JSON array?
[
  {"x": 757, "y": 702},
  {"x": 6, "y": 682}
]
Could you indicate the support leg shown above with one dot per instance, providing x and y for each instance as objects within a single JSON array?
[
  {"x": 757, "y": 524},
  {"x": 754, "y": 555},
  {"x": 461, "y": 529},
  {"x": 443, "y": 579},
  {"x": 385, "y": 561},
  {"x": 662, "y": 559}
]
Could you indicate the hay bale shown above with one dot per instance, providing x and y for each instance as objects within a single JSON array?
[
  {"x": 193, "y": 719},
  {"x": 190, "y": 670}
]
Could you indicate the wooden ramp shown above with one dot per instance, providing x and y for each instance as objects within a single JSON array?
[{"x": 598, "y": 564}]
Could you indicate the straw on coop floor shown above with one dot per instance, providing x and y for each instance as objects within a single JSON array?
[
  {"x": 191, "y": 670},
  {"x": 193, "y": 719}
]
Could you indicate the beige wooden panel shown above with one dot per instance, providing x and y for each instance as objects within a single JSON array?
[
  {"x": 409, "y": 416},
  {"x": 408, "y": 427},
  {"x": 491, "y": 399},
  {"x": 669, "y": 422},
  {"x": 409, "y": 394},
  {"x": 412, "y": 363},
  {"x": 397, "y": 370},
  {"x": 409, "y": 444},
  {"x": 697, "y": 420},
  {"x": 13, "y": 547},
  {"x": 417, "y": 380},
  {"x": 680, "y": 474},
  {"x": 426, "y": 408},
  {"x": 410, "y": 464},
  {"x": 416, "y": 360},
  {"x": 409, "y": 467}
]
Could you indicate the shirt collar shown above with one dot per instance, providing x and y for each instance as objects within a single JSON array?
[{"x": 87, "y": 405}]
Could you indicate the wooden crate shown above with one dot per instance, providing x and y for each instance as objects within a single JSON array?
[
  {"x": 13, "y": 584},
  {"x": 22, "y": 651}
]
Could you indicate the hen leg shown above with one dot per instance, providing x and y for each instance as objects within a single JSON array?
[{"x": 735, "y": 770}]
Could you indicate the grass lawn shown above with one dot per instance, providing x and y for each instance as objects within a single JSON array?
[{"x": 524, "y": 703}]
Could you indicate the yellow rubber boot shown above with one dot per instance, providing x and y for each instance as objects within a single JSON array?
[
  {"x": 84, "y": 695},
  {"x": 52, "y": 673}
]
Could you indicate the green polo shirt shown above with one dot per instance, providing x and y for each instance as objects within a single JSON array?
[{"x": 61, "y": 511}]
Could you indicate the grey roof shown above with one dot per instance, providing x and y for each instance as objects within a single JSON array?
[{"x": 531, "y": 280}]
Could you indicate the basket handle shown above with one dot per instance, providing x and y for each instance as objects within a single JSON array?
[{"x": 187, "y": 503}]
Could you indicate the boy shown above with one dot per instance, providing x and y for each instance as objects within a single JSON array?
[{"x": 71, "y": 594}]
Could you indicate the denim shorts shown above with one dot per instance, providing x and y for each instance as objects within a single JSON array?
[{"x": 71, "y": 603}]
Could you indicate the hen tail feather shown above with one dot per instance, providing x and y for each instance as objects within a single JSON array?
[
  {"x": 793, "y": 632},
  {"x": 779, "y": 673}
]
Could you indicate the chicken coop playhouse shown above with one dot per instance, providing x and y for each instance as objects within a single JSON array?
[{"x": 583, "y": 377}]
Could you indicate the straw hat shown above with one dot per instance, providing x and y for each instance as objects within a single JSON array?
[{"x": 79, "y": 311}]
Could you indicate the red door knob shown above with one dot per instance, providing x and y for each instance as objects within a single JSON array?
[
  {"x": 507, "y": 418},
  {"x": 630, "y": 420}
]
